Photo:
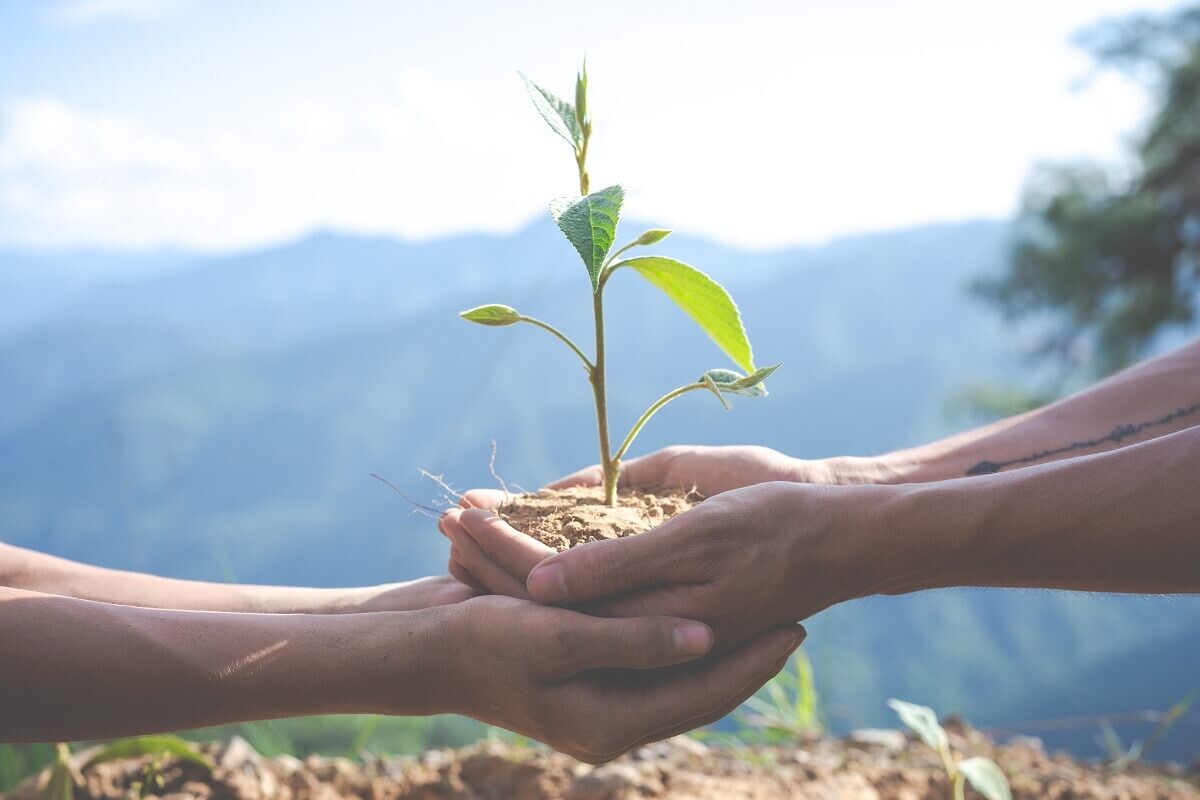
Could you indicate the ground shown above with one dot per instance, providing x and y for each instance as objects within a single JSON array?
[{"x": 866, "y": 766}]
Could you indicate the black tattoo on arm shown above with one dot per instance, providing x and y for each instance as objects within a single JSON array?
[{"x": 1115, "y": 436}]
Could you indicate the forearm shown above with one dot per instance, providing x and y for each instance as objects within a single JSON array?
[
  {"x": 1123, "y": 521},
  {"x": 1154, "y": 398},
  {"x": 74, "y": 669},
  {"x": 38, "y": 572}
]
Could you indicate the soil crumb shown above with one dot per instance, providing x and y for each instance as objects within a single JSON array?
[
  {"x": 884, "y": 765},
  {"x": 564, "y": 518}
]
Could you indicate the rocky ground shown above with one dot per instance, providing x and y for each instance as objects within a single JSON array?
[{"x": 879, "y": 764}]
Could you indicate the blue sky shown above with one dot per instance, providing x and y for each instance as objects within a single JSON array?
[{"x": 221, "y": 125}]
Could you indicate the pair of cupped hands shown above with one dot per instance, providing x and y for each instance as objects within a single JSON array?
[{"x": 641, "y": 638}]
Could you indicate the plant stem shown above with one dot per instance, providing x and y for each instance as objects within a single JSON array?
[
  {"x": 546, "y": 326},
  {"x": 649, "y": 412},
  {"x": 610, "y": 467},
  {"x": 960, "y": 788},
  {"x": 581, "y": 164}
]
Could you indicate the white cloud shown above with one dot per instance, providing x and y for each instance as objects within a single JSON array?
[
  {"x": 288, "y": 123},
  {"x": 403, "y": 163},
  {"x": 84, "y": 12}
]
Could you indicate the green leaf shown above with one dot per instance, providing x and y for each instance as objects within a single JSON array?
[
  {"x": 590, "y": 223},
  {"x": 558, "y": 113},
  {"x": 652, "y": 236},
  {"x": 707, "y": 380},
  {"x": 986, "y": 778},
  {"x": 150, "y": 746},
  {"x": 923, "y": 721},
  {"x": 702, "y": 299},
  {"x": 736, "y": 383},
  {"x": 581, "y": 97},
  {"x": 494, "y": 315}
]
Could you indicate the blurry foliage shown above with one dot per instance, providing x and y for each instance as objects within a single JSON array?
[
  {"x": 1108, "y": 254},
  {"x": 350, "y": 736},
  {"x": 984, "y": 403},
  {"x": 785, "y": 710}
]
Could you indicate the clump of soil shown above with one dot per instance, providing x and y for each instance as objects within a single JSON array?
[
  {"x": 564, "y": 518},
  {"x": 870, "y": 765}
]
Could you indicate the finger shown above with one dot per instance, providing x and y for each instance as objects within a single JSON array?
[
  {"x": 479, "y": 565},
  {"x": 742, "y": 696},
  {"x": 588, "y": 476},
  {"x": 464, "y": 575},
  {"x": 483, "y": 498},
  {"x": 707, "y": 691},
  {"x": 588, "y": 643},
  {"x": 611, "y": 567},
  {"x": 643, "y": 472},
  {"x": 515, "y": 552}
]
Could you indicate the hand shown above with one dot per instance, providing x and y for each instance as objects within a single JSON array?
[
  {"x": 743, "y": 561},
  {"x": 590, "y": 687},
  {"x": 707, "y": 470},
  {"x": 704, "y": 470}
]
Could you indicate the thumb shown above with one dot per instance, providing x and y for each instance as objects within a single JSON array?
[
  {"x": 588, "y": 476},
  {"x": 603, "y": 569}
]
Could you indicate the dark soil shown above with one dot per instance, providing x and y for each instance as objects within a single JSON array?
[
  {"x": 871, "y": 765},
  {"x": 569, "y": 517}
]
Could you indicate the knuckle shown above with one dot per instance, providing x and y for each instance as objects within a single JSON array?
[
  {"x": 568, "y": 648},
  {"x": 605, "y": 569}
]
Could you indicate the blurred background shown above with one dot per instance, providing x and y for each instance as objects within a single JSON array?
[{"x": 234, "y": 238}]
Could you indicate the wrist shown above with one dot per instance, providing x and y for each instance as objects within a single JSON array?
[
  {"x": 926, "y": 535},
  {"x": 860, "y": 471},
  {"x": 406, "y": 666}
]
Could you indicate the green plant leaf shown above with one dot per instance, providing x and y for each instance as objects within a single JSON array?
[
  {"x": 707, "y": 380},
  {"x": 702, "y": 299},
  {"x": 736, "y": 383},
  {"x": 652, "y": 236},
  {"x": 581, "y": 96},
  {"x": 494, "y": 315},
  {"x": 986, "y": 778},
  {"x": 923, "y": 721},
  {"x": 151, "y": 746},
  {"x": 590, "y": 223},
  {"x": 558, "y": 113}
]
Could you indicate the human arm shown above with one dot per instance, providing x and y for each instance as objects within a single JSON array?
[
  {"x": 38, "y": 572},
  {"x": 1126, "y": 520},
  {"x": 78, "y": 669},
  {"x": 1154, "y": 398}
]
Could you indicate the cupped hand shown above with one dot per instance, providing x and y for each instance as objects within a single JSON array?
[
  {"x": 743, "y": 561},
  {"x": 592, "y": 687}
]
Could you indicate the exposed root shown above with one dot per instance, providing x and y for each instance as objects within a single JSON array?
[
  {"x": 451, "y": 496},
  {"x": 496, "y": 477},
  {"x": 418, "y": 508}
]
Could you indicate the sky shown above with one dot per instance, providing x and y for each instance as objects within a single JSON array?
[{"x": 222, "y": 125}]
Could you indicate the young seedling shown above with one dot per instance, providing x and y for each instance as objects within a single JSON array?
[
  {"x": 62, "y": 780},
  {"x": 982, "y": 773},
  {"x": 589, "y": 222}
]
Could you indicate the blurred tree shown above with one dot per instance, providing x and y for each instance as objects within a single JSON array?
[{"x": 1107, "y": 255}]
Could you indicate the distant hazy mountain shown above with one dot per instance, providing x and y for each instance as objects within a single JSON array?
[{"x": 217, "y": 417}]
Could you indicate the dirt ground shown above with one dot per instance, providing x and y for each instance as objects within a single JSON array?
[{"x": 869, "y": 765}]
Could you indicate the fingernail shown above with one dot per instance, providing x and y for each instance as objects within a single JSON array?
[
  {"x": 548, "y": 583},
  {"x": 692, "y": 639}
]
